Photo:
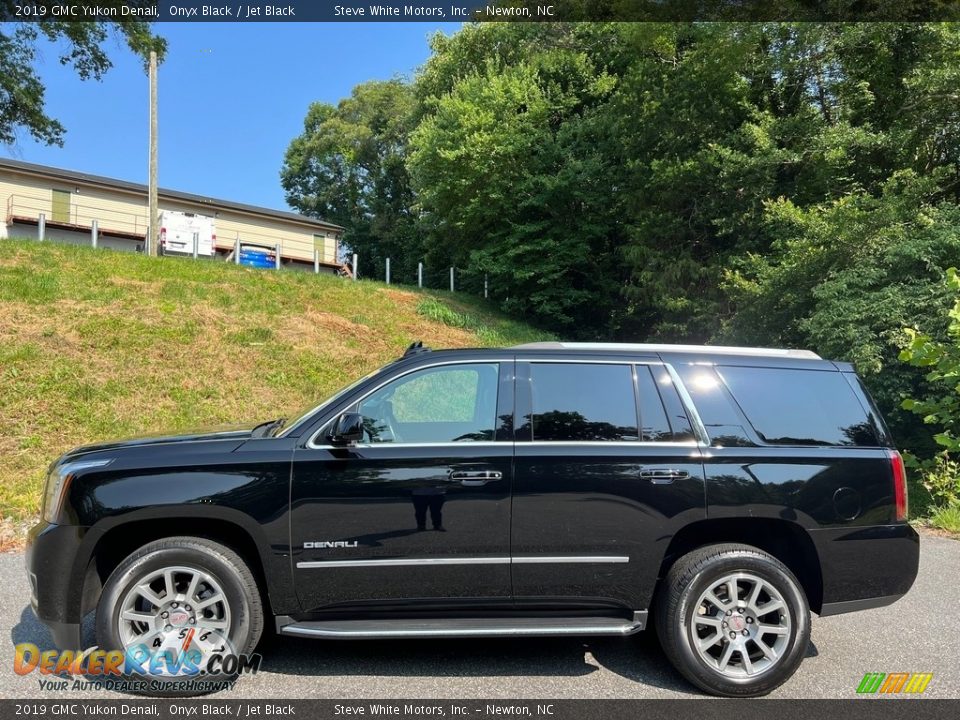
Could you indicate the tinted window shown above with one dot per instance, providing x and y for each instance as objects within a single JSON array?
[
  {"x": 800, "y": 407},
  {"x": 653, "y": 417},
  {"x": 715, "y": 405},
  {"x": 583, "y": 402},
  {"x": 676, "y": 415},
  {"x": 450, "y": 403}
]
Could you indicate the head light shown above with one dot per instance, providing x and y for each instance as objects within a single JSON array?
[{"x": 58, "y": 482}]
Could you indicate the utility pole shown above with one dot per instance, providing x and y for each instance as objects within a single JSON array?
[{"x": 153, "y": 231}]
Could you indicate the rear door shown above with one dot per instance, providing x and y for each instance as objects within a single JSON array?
[
  {"x": 607, "y": 468},
  {"x": 418, "y": 514}
]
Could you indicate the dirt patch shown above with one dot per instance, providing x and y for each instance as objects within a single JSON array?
[
  {"x": 13, "y": 534},
  {"x": 404, "y": 297},
  {"x": 936, "y": 532}
]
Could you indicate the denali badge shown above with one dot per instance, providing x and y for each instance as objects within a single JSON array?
[{"x": 327, "y": 544}]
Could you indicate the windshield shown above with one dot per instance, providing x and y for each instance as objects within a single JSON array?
[{"x": 303, "y": 416}]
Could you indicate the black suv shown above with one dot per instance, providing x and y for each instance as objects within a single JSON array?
[{"x": 719, "y": 494}]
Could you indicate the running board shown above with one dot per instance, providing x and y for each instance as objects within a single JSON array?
[{"x": 460, "y": 627}]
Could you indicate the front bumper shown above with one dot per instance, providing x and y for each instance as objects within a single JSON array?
[{"x": 56, "y": 567}]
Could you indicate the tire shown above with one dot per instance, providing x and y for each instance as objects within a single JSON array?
[
  {"x": 693, "y": 608},
  {"x": 227, "y": 611}
]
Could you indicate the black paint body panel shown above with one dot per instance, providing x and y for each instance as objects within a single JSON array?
[{"x": 550, "y": 500}]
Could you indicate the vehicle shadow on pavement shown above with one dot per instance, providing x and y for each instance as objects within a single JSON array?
[{"x": 637, "y": 658}]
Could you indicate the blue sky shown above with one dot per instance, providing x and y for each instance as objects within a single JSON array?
[{"x": 231, "y": 97}]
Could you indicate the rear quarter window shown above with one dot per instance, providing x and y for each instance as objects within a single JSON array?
[{"x": 800, "y": 407}]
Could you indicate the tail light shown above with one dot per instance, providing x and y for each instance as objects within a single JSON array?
[{"x": 899, "y": 484}]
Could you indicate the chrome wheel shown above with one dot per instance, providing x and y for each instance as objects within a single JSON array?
[
  {"x": 741, "y": 626},
  {"x": 175, "y": 608}
]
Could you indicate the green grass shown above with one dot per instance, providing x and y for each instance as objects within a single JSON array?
[
  {"x": 97, "y": 344},
  {"x": 947, "y": 519}
]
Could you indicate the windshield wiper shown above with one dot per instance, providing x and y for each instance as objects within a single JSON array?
[{"x": 269, "y": 428}]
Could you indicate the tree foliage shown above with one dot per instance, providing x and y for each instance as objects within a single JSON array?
[
  {"x": 769, "y": 183},
  {"x": 349, "y": 167},
  {"x": 80, "y": 45}
]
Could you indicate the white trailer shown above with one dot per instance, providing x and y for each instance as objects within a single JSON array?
[{"x": 184, "y": 233}]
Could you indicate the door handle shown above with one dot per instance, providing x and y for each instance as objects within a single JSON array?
[
  {"x": 475, "y": 478},
  {"x": 663, "y": 476}
]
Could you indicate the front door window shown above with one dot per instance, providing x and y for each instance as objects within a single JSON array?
[{"x": 444, "y": 404}]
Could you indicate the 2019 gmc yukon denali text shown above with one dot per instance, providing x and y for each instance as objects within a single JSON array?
[{"x": 717, "y": 494}]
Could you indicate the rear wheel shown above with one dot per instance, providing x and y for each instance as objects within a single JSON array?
[
  {"x": 175, "y": 603},
  {"x": 733, "y": 620}
]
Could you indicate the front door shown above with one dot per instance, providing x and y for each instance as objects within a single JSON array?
[{"x": 417, "y": 515}]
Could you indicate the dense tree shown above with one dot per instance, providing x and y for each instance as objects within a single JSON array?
[
  {"x": 81, "y": 46},
  {"x": 768, "y": 183},
  {"x": 514, "y": 182},
  {"x": 349, "y": 167}
]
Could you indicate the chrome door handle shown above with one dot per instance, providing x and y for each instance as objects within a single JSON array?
[
  {"x": 663, "y": 476},
  {"x": 475, "y": 478}
]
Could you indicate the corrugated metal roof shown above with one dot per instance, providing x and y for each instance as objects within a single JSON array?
[{"x": 73, "y": 176}]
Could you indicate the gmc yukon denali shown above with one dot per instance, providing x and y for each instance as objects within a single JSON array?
[{"x": 717, "y": 494}]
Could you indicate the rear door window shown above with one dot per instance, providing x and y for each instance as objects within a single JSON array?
[
  {"x": 800, "y": 407},
  {"x": 583, "y": 402},
  {"x": 662, "y": 390},
  {"x": 653, "y": 416}
]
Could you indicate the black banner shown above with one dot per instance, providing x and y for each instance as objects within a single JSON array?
[
  {"x": 874, "y": 708},
  {"x": 479, "y": 10}
]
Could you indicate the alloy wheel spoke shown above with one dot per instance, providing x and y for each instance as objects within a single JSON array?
[
  {"x": 715, "y": 601},
  {"x": 190, "y": 594},
  {"x": 755, "y": 595},
  {"x": 747, "y": 663},
  {"x": 725, "y": 658},
  {"x": 768, "y": 652},
  {"x": 769, "y": 607},
  {"x": 149, "y": 595},
  {"x": 710, "y": 641},
  {"x": 212, "y": 623},
  {"x": 772, "y": 630},
  {"x": 134, "y": 616},
  {"x": 209, "y": 601},
  {"x": 168, "y": 584},
  {"x": 732, "y": 594},
  {"x": 710, "y": 620}
]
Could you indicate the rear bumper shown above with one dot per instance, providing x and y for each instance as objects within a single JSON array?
[
  {"x": 866, "y": 567},
  {"x": 56, "y": 568}
]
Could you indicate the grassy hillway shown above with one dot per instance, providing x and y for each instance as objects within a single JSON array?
[{"x": 97, "y": 344}]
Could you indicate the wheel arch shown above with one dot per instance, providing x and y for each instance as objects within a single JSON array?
[
  {"x": 785, "y": 540},
  {"x": 117, "y": 540}
]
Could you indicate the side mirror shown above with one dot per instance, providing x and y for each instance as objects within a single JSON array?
[{"x": 348, "y": 429}]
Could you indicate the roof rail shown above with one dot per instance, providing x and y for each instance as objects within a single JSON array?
[{"x": 659, "y": 348}]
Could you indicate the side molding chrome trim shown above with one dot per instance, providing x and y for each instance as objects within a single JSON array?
[
  {"x": 523, "y": 560},
  {"x": 594, "y": 559},
  {"x": 311, "y": 565}
]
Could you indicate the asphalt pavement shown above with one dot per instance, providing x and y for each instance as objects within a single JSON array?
[{"x": 920, "y": 633}]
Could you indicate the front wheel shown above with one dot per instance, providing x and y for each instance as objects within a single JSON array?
[
  {"x": 733, "y": 620},
  {"x": 172, "y": 606}
]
